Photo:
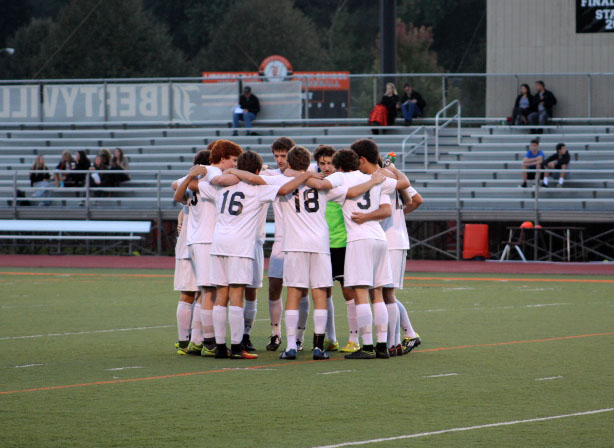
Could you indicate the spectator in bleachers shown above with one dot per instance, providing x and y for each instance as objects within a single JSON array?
[
  {"x": 66, "y": 163},
  {"x": 523, "y": 106},
  {"x": 99, "y": 179},
  {"x": 246, "y": 110},
  {"x": 40, "y": 180},
  {"x": 82, "y": 163},
  {"x": 106, "y": 157},
  {"x": 544, "y": 102},
  {"x": 412, "y": 104},
  {"x": 119, "y": 162},
  {"x": 557, "y": 161},
  {"x": 390, "y": 100},
  {"x": 533, "y": 161}
]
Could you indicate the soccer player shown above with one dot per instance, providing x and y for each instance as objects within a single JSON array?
[
  {"x": 203, "y": 214},
  {"x": 232, "y": 252},
  {"x": 323, "y": 156},
  {"x": 366, "y": 263},
  {"x": 189, "y": 326}
]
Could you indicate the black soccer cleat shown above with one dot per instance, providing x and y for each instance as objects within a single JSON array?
[
  {"x": 361, "y": 354},
  {"x": 274, "y": 344},
  {"x": 221, "y": 351},
  {"x": 381, "y": 351},
  {"x": 247, "y": 344},
  {"x": 411, "y": 343}
]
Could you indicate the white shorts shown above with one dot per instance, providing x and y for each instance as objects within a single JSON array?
[
  {"x": 398, "y": 261},
  {"x": 258, "y": 268},
  {"x": 201, "y": 261},
  {"x": 307, "y": 269},
  {"x": 367, "y": 264},
  {"x": 276, "y": 261},
  {"x": 231, "y": 270},
  {"x": 185, "y": 280}
]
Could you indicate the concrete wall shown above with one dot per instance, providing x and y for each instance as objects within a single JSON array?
[{"x": 539, "y": 36}]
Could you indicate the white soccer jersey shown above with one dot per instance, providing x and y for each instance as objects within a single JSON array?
[
  {"x": 277, "y": 178},
  {"x": 202, "y": 212},
  {"x": 304, "y": 219},
  {"x": 181, "y": 248},
  {"x": 368, "y": 202},
  {"x": 395, "y": 226},
  {"x": 239, "y": 210}
]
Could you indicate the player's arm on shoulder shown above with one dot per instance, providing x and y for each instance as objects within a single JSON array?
[
  {"x": 299, "y": 180},
  {"x": 406, "y": 196},
  {"x": 416, "y": 201},
  {"x": 190, "y": 181},
  {"x": 318, "y": 184},
  {"x": 174, "y": 185},
  {"x": 246, "y": 176},
  {"x": 358, "y": 190},
  {"x": 402, "y": 180},
  {"x": 384, "y": 211}
]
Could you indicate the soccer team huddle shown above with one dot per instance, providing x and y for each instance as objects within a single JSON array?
[{"x": 338, "y": 218}]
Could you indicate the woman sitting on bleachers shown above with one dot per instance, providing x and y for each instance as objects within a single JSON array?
[
  {"x": 82, "y": 164},
  {"x": 523, "y": 106},
  {"x": 99, "y": 179},
  {"x": 119, "y": 162},
  {"x": 40, "y": 180},
  {"x": 66, "y": 163}
]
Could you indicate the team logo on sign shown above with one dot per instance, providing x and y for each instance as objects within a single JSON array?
[{"x": 275, "y": 68}]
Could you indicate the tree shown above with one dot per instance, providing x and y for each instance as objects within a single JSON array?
[
  {"x": 255, "y": 29},
  {"x": 118, "y": 39}
]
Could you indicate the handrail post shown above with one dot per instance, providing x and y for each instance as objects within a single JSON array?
[
  {"x": 458, "y": 215},
  {"x": 14, "y": 194},
  {"x": 159, "y": 236},
  {"x": 536, "y": 201},
  {"x": 87, "y": 195}
]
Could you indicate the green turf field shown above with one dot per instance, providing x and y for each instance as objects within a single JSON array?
[{"x": 92, "y": 332}]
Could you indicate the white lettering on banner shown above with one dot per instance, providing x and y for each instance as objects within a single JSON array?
[
  {"x": 148, "y": 106},
  {"x": 23, "y": 104},
  {"x": 164, "y": 100},
  {"x": 182, "y": 104},
  {"x": 101, "y": 104},
  {"x": 112, "y": 100},
  {"x": 34, "y": 101},
  {"x": 89, "y": 92},
  {"x": 127, "y": 97},
  {"x": 70, "y": 95},
  {"x": 51, "y": 101},
  {"x": 5, "y": 110},
  {"x": 596, "y": 3}
]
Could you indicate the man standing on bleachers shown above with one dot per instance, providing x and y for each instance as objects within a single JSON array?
[
  {"x": 533, "y": 160},
  {"x": 248, "y": 108}
]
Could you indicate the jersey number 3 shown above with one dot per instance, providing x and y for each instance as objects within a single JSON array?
[
  {"x": 310, "y": 201},
  {"x": 367, "y": 201},
  {"x": 234, "y": 206}
]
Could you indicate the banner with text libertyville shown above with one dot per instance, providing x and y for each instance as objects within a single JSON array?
[{"x": 177, "y": 102}]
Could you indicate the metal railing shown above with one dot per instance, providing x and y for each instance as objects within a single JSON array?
[
  {"x": 439, "y": 127},
  {"x": 423, "y": 142}
]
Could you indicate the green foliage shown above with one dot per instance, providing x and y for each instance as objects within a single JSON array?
[{"x": 256, "y": 29}]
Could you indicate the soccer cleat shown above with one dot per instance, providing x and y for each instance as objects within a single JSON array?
[
  {"x": 411, "y": 343},
  {"x": 331, "y": 346},
  {"x": 221, "y": 351},
  {"x": 247, "y": 344},
  {"x": 350, "y": 347},
  {"x": 288, "y": 354},
  {"x": 182, "y": 347},
  {"x": 392, "y": 351},
  {"x": 274, "y": 344},
  {"x": 299, "y": 345},
  {"x": 242, "y": 354},
  {"x": 319, "y": 354},
  {"x": 399, "y": 349},
  {"x": 192, "y": 349},
  {"x": 381, "y": 351},
  {"x": 208, "y": 351},
  {"x": 361, "y": 354}
]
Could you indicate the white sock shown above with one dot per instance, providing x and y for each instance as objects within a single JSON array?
[
  {"x": 219, "y": 324},
  {"x": 206, "y": 318},
  {"x": 352, "y": 323},
  {"x": 380, "y": 319},
  {"x": 249, "y": 315},
  {"x": 235, "y": 316},
  {"x": 393, "y": 319},
  {"x": 408, "y": 330},
  {"x": 184, "y": 319},
  {"x": 545, "y": 181},
  {"x": 331, "y": 331},
  {"x": 291, "y": 324},
  {"x": 319, "y": 321},
  {"x": 364, "y": 319},
  {"x": 397, "y": 330},
  {"x": 197, "y": 332},
  {"x": 303, "y": 315},
  {"x": 276, "y": 308}
]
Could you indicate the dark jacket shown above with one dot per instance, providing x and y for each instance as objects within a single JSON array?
[
  {"x": 549, "y": 101},
  {"x": 390, "y": 102},
  {"x": 251, "y": 104},
  {"x": 38, "y": 177},
  {"x": 415, "y": 96},
  {"x": 532, "y": 103}
]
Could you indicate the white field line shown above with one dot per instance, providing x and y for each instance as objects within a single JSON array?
[
  {"x": 77, "y": 333},
  {"x": 125, "y": 368},
  {"x": 244, "y": 368},
  {"x": 440, "y": 375},
  {"x": 548, "y": 378},
  {"x": 466, "y": 428},
  {"x": 335, "y": 371},
  {"x": 29, "y": 365}
]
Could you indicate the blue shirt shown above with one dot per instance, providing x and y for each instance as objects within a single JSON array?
[{"x": 530, "y": 155}]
